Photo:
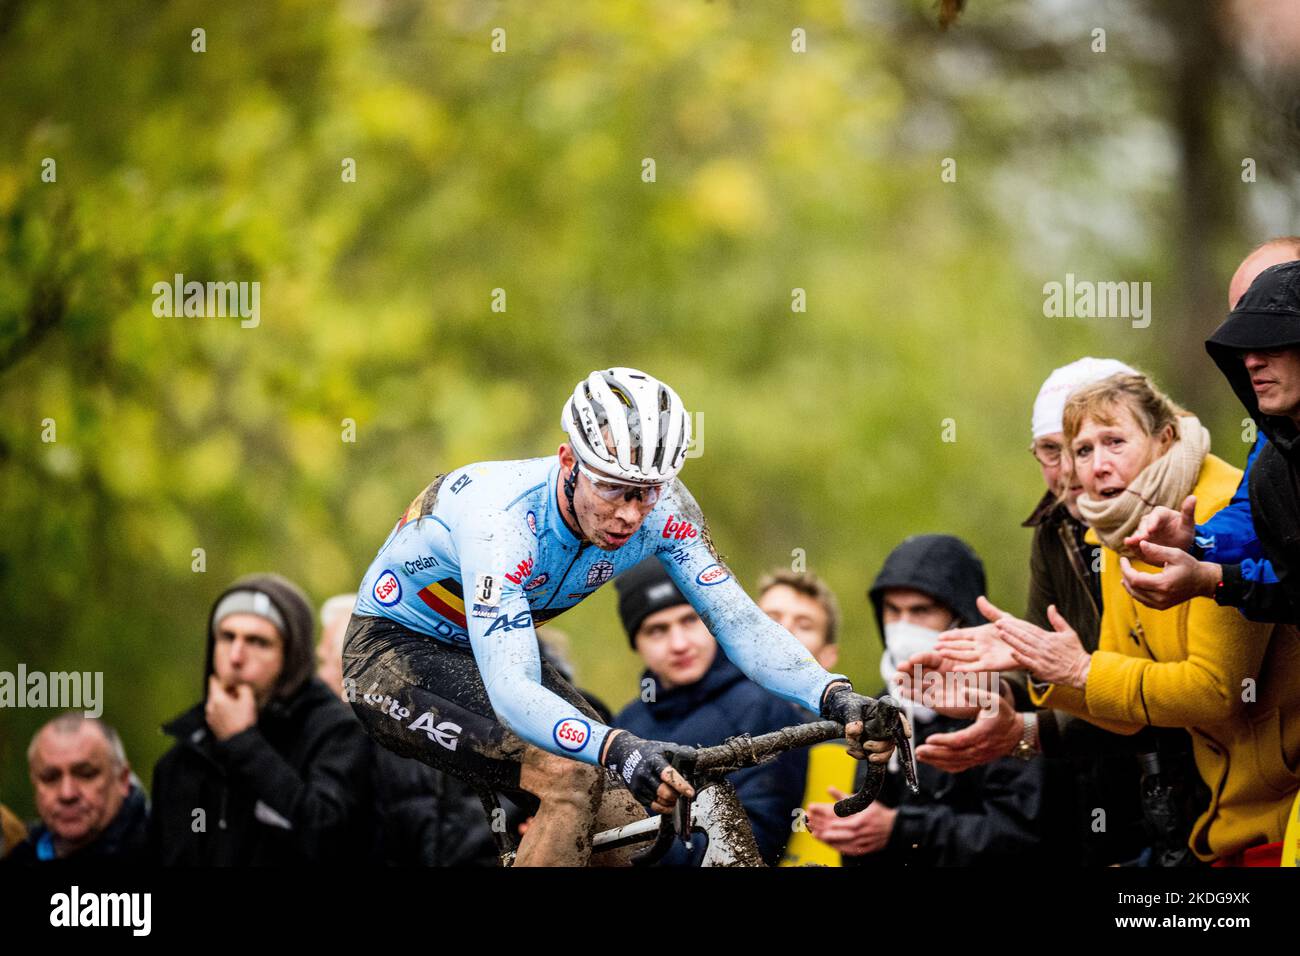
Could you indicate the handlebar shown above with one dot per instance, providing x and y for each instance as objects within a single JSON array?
[{"x": 736, "y": 753}]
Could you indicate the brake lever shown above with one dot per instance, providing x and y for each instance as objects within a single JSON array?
[
  {"x": 903, "y": 745},
  {"x": 683, "y": 763}
]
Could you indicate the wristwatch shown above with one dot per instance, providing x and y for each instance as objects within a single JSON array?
[{"x": 1027, "y": 747}]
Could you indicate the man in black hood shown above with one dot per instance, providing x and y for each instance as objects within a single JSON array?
[
  {"x": 269, "y": 768},
  {"x": 984, "y": 815},
  {"x": 1258, "y": 350}
]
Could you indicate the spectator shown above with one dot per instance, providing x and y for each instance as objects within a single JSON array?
[
  {"x": 692, "y": 694},
  {"x": 984, "y": 815},
  {"x": 270, "y": 768},
  {"x": 1203, "y": 667},
  {"x": 805, "y": 606},
  {"x": 425, "y": 817},
  {"x": 1226, "y": 559},
  {"x": 92, "y": 809},
  {"x": 1086, "y": 769}
]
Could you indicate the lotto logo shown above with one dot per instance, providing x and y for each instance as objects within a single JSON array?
[
  {"x": 571, "y": 733},
  {"x": 388, "y": 590},
  {"x": 713, "y": 574},
  {"x": 522, "y": 570},
  {"x": 679, "y": 530}
]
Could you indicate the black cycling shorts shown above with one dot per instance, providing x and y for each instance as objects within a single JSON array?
[{"x": 425, "y": 699}]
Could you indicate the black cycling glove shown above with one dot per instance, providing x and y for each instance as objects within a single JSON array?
[
  {"x": 844, "y": 705},
  {"x": 640, "y": 763}
]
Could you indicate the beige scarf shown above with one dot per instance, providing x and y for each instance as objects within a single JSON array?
[{"x": 1166, "y": 481}]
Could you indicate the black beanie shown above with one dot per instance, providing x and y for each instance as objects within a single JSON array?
[{"x": 642, "y": 590}]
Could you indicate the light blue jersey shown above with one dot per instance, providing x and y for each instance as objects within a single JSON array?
[{"x": 482, "y": 557}]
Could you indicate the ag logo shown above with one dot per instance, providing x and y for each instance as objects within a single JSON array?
[
  {"x": 713, "y": 574},
  {"x": 599, "y": 573},
  {"x": 388, "y": 590},
  {"x": 572, "y": 733},
  {"x": 506, "y": 623},
  {"x": 445, "y": 734}
]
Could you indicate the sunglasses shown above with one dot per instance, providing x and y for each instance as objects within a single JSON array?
[{"x": 613, "y": 490}]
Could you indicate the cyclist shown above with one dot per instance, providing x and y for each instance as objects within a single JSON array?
[{"x": 441, "y": 658}]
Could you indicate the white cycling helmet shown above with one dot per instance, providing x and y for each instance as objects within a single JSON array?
[{"x": 647, "y": 422}]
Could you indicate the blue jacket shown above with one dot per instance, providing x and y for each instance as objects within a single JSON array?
[
  {"x": 722, "y": 704},
  {"x": 1229, "y": 538}
]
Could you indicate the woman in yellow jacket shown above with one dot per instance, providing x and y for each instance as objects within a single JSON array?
[{"x": 1230, "y": 682}]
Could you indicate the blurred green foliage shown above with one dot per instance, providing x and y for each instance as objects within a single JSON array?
[{"x": 522, "y": 170}]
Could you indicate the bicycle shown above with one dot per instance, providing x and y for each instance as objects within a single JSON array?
[{"x": 716, "y": 810}]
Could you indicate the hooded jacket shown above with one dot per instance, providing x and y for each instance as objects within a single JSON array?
[
  {"x": 1266, "y": 317},
  {"x": 123, "y": 841},
  {"x": 982, "y": 816},
  {"x": 292, "y": 789},
  {"x": 721, "y": 704}
]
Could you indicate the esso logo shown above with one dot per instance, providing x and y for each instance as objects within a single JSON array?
[
  {"x": 571, "y": 733},
  {"x": 388, "y": 590},
  {"x": 713, "y": 574}
]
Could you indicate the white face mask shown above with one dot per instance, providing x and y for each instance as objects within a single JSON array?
[{"x": 903, "y": 639}]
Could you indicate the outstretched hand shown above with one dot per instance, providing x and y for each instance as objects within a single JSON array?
[
  {"x": 1056, "y": 656},
  {"x": 978, "y": 648},
  {"x": 965, "y": 698},
  {"x": 1182, "y": 577},
  {"x": 1166, "y": 527},
  {"x": 985, "y": 740}
]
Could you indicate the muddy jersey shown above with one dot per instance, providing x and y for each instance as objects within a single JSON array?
[{"x": 482, "y": 557}]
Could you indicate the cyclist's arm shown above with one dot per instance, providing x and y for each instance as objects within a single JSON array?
[
  {"x": 504, "y": 642},
  {"x": 767, "y": 653}
]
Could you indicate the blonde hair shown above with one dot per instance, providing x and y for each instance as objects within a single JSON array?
[
  {"x": 1099, "y": 401},
  {"x": 809, "y": 585}
]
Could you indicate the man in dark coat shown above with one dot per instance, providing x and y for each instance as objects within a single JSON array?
[
  {"x": 692, "y": 694},
  {"x": 986, "y": 815},
  {"x": 92, "y": 808},
  {"x": 270, "y": 768},
  {"x": 1235, "y": 557},
  {"x": 1258, "y": 350}
]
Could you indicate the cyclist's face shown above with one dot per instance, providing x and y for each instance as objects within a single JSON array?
[
  {"x": 78, "y": 788},
  {"x": 675, "y": 646},
  {"x": 249, "y": 650},
  {"x": 802, "y": 616},
  {"x": 610, "y": 513}
]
